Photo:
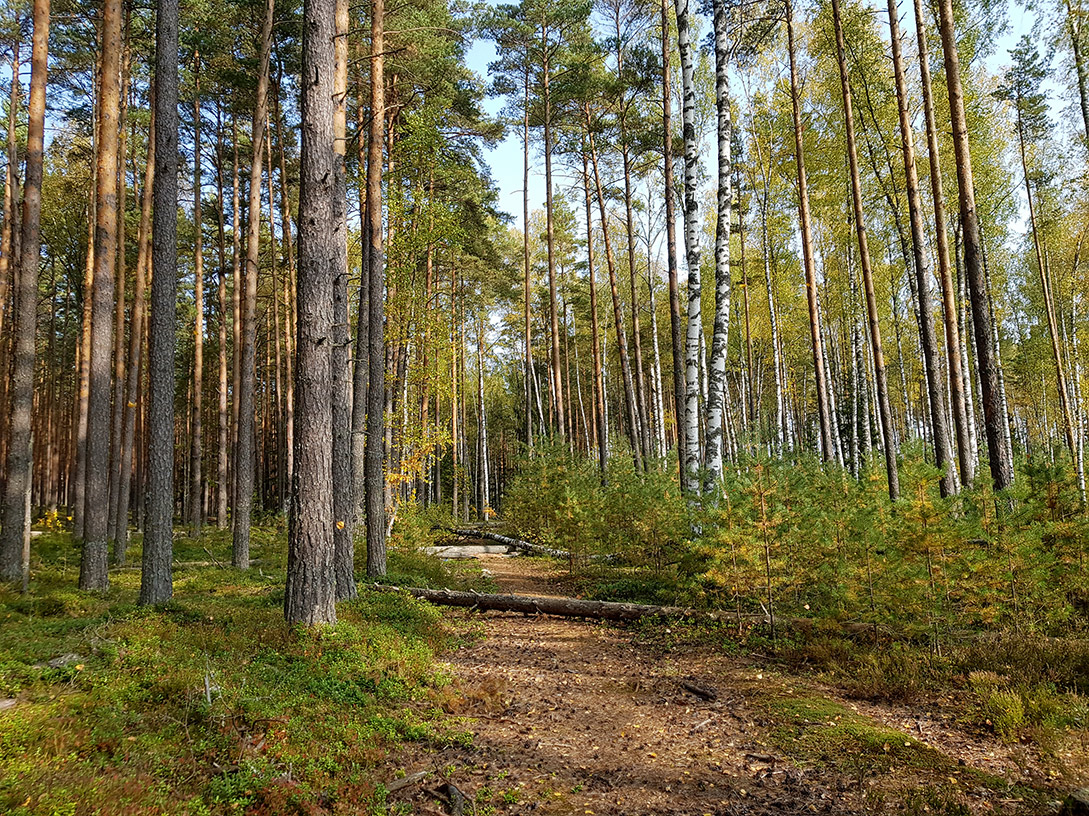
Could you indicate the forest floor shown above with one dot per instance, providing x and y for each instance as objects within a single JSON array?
[{"x": 578, "y": 717}]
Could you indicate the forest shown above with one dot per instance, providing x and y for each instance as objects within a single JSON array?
[{"x": 571, "y": 406}]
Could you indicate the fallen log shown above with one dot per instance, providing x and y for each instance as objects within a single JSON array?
[
  {"x": 561, "y": 607},
  {"x": 512, "y": 543},
  {"x": 524, "y": 546},
  {"x": 605, "y": 610}
]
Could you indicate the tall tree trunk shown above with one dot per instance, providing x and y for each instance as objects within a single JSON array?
[
  {"x": 716, "y": 402},
  {"x": 1045, "y": 291},
  {"x": 136, "y": 346},
  {"x": 527, "y": 293},
  {"x": 1074, "y": 28},
  {"x": 245, "y": 461},
  {"x": 8, "y": 262},
  {"x": 361, "y": 372},
  {"x": 222, "y": 415},
  {"x": 824, "y": 413},
  {"x": 156, "y": 585},
  {"x": 994, "y": 417},
  {"x": 953, "y": 345},
  {"x": 14, "y": 534},
  {"x": 692, "y": 253},
  {"x": 93, "y": 564},
  {"x": 237, "y": 285},
  {"x": 343, "y": 498},
  {"x": 550, "y": 240},
  {"x": 121, "y": 273},
  {"x": 311, "y": 579},
  {"x": 196, "y": 505},
  {"x": 676, "y": 331},
  {"x": 599, "y": 387},
  {"x": 942, "y": 442},
  {"x": 618, "y": 321},
  {"x": 884, "y": 411},
  {"x": 375, "y": 453}
]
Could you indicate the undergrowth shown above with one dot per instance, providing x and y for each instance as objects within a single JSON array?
[{"x": 211, "y": 704}]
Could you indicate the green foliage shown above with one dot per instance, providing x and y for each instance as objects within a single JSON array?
[{"x": 637, "y": 519}]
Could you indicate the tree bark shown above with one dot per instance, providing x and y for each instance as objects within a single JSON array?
[
  {"x": 716, "y": 402},
  {"x": 884, "y": 411},
  {"x": 939, "y": 424},
  {"x": 676, "y": 331},
  {"x": 94, "y": 562},
  {"x": 824, "y": 413},
  {"x": 14, "y": 534},
  {"x": 156, "y": 585},
  {"x": 618, "y": 319},
  {"x": 953, "y": 346},
  {"x": 999, "y": 453},
  {"x": 692, "y": 253},
  {"x": 550, "y": 241},
  {"x": 343, "y": 498},
  {"x": 245, "y": 463},
  {"x": 375, "y": 454},
  {"x": 311, "y": 579},
  {"x": 196, "y": 504},
  {"x": 599, "y": 387},
  {"x": 137, "y": 333}
]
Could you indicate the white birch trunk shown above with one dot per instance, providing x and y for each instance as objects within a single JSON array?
[
  {"x": 692, "y": 253},
  {"x": 720, "y": 333}
]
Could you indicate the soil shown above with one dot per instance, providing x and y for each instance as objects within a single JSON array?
[{"x": 577, "y": 717}]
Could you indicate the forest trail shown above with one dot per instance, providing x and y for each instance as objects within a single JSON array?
[{"x": 576, "y": 717}]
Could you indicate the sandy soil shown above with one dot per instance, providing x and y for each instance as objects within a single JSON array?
[{"x": 575, "y": 717}]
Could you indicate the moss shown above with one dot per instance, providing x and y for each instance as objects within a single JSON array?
[{"x": 209, "y": 703}]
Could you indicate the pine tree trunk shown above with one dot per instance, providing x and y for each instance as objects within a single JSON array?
[
  {"x": 716, "y": 402},
  {"x": 361, "y": 371},
  {"x": 121, "y": 274},
  {"x": 222, "y": 415},
  {"x": 156, "y": 586},
  {"x": 823, "y": 411},
  {"x": 618, "y": 320},
  {"x": 137, "y": 332},
  {"x": 692, "y": 457},
  {"x": 994, "y": 417},
  {"x": 527, "y": 293},
  {"x": 375, "y": 453},
  {"x": 8, "y": 262},
  {"x": 884, "y": 410},
  {"x": 93, "y": 564},
  {"x": 599, "y": 387},
  {"x": 196, "y": 508},
  {"x": 246, "y": 449},
  {"x": 550, "y": 240},
  {"x": 14, "y": 538},
  {"x": 343, "y": 498},
  {"x": 311, "y": 580}
]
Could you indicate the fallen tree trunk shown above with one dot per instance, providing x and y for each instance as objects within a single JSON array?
[
  {"x": 601, "y": 610},
  {"x": 563, "y": 607},
  {"x": 512, "y": 543},
  {"x": 527, "y": 547}
]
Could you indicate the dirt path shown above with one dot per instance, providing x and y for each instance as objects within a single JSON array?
[{"x": 574, "y": 717}]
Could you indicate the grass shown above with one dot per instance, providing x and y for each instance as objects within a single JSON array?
[{"x": 211, "y": 704}]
